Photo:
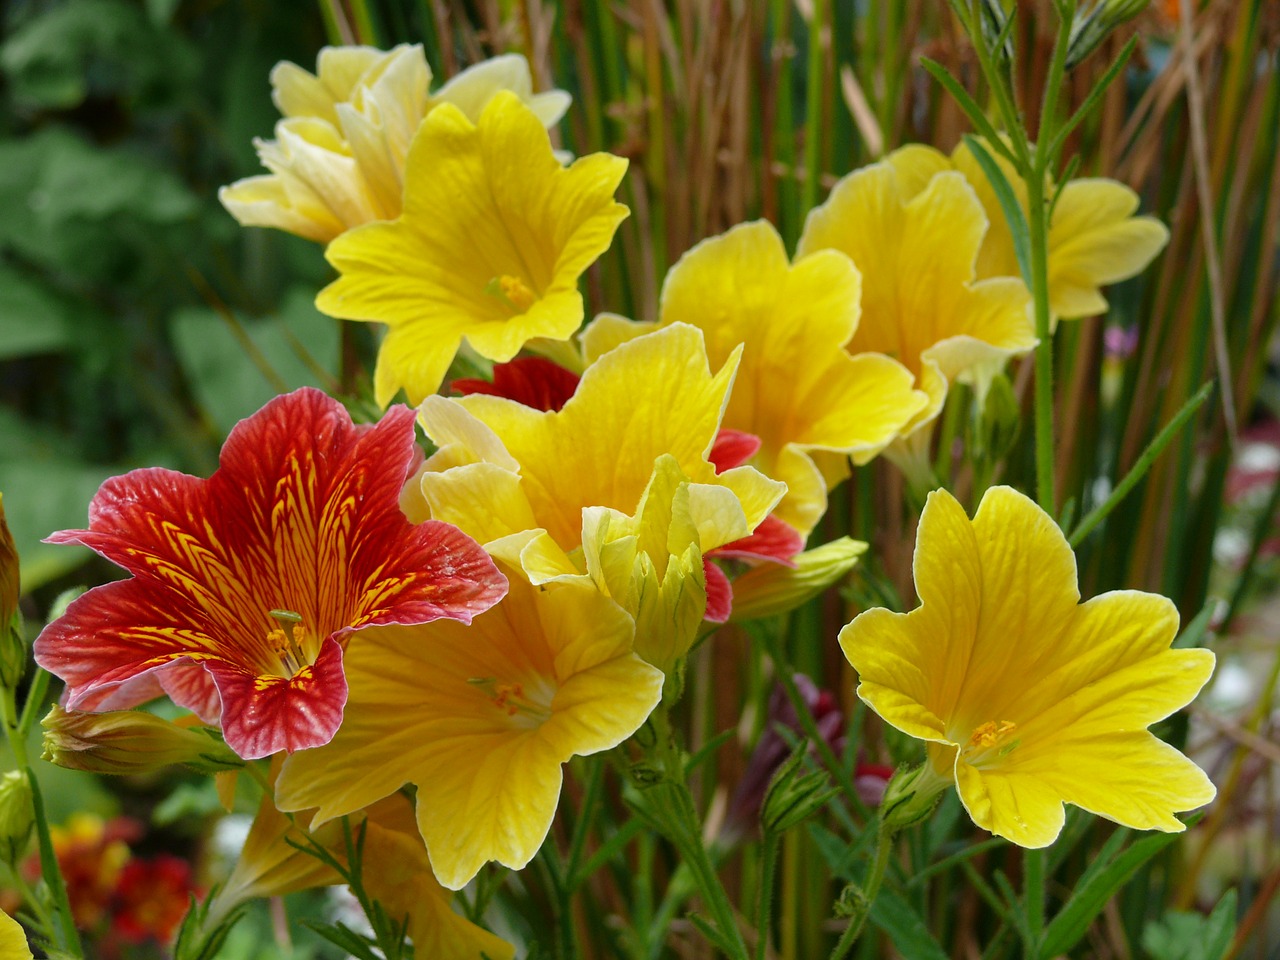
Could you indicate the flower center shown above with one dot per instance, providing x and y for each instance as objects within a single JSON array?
[
  {"x": 517, "y": 294},
  {"x": 287, "y": 641},
  {"x": 525, "y": 710},
  {"x": 990, "y": 740}
]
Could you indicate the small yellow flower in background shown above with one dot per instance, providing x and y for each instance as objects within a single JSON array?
[
  {"x": 797, "y": 388},
  {"x": 338, "y": 157},
  {"x": 481, "y": 720},
  {"x": 1027, "y": 697},
  {"x": 565, "y": 494},
  {"x": 922, "y": 304},
  {"x": 492, "y": 240},
  {"x": 1094, "y": 237}
]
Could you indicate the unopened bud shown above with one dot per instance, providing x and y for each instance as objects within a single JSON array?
[
  {"x": 793, "y": 797},
  {"x": 13, "y": 649},
  {"x": 1001, "y": 416},
  {"x": 1093, "y": 23},
  {"x": 911, "y": 796},
  {"x": 17, "y": 816},
  {"x": 131, "y": 742},
  {"x": 772, "y": 588}
]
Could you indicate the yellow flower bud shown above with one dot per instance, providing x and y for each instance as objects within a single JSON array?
[
  {"x": 16, "y": 816},
  {"x": 131, "y": 742},
  {"x": 772, "y": 588}
]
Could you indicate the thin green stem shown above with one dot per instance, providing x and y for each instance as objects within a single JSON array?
[
  {"x": 35, "y": 700},
  {"x": 64, "y": 927},
  {"x": 1037, "y": 222},
  {"x": 686, "y": 832},
  {"x": 813, "y": 107},
  {"x": 870, "y": 890},
  {"x": 1033, "y": 899},
  {"x": 764, "y": 902}
]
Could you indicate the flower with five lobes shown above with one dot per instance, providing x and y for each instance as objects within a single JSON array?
[
  {"x": 338, "y": 157},
  {"x": 798, "y": 390},
  {"x": 916, "y": 248},
  {"x": 1027, "y": 697},
  {"x": 579, "y": 491},
  {"x": 247, "y": 587},
  {"x": 1094, "y": 238},
  {"x": 481, "y": 718},
  {"x": 492, "y": 240}
]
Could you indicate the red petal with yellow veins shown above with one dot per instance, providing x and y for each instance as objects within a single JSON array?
[
  {"x": 273, "y": 714},
  {"x": 301, "y": 516},
  {"x": 719, "y": 593},
  {"x": 732, "y": 448},
  {"x": 533, "y": 381},
  {"x": 773, "y": 540}
]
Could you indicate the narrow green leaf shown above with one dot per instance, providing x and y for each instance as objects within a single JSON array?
[
  {"x": 905, "y": 928},
  {"x": 1091, "y": 895},
  {"x": 1008, "y": 203},
  {"x": 1094, "y": 96},
  {"x": 1192, "y": 634},
  {"x": 969, "y": 106}
]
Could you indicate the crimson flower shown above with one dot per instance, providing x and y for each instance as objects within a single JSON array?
[{"x": 248, "y": 586}]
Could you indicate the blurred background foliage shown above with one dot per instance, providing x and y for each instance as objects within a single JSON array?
[{"x": 138, "y": 322}]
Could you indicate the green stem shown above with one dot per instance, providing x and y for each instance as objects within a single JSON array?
[
  {"x": 35, "y": 700},
  {"x": 764, "y": 904},
  {"x": 686, "y": 833},
  {"x": 64, "y": 927},
  {"x": 1039, "y": 229},
  {"x": 1033, "y": 899},
  {"x": 813, "y": 107},
  {"x": 870, "y": 890}
]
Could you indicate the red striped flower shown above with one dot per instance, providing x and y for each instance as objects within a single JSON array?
[{"x": 248, "y": 586}]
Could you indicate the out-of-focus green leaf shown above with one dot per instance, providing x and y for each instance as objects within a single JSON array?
[
  {"x": 229, "y": 383},
  {"x": 93, "y": 48},
  {"x": 1192, "y": 936},
  {"x": 32, "y": 318},
  {"x": 906, "y": 929}
]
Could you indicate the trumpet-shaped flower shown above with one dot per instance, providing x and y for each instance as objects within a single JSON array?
[
  {"x": 492, "y": 240},
  {"x": 1094, "y": 238},
  {"x": 525, "y": 482},
  {"x": 338, "y": 157},
  {"x": 481, "y": 719},
  {"x": 916, "y": 248},
  {"x": 797, "y": 390},
  {"x": 248, "y": 586},
  {"x": 1027, "y": 697}
]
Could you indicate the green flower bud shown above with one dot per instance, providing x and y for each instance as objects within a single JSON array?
[
  {"x": 772, "y": 588},
  {"x": 911, "y": 796},
  {"x": 792, "y": 796},
  {"x": 17, "y": 816},
  {"x": 131, "y": 742},
  {"x": 1092, "y": 24},
  {"x": 13, "y": 649}
]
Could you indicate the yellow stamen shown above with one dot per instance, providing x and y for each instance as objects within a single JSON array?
[
  {"x": 518, "y": 295},
  {"x": 994, "y": 735},
  {"x": 287, "y": 640}
]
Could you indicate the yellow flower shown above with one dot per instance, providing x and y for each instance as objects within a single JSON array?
[
  {"x": 396, "y": 873},
  {"x": 588, "y": 489},
  {"x": 1027, "y": 697},
  {"x": 480, "y": 719},
  {"x": 797, "y": 389},
  {"x": 492, "y": 240},
  {"x": 13, "y": 940},
  {"x": 916, "y": 249},
  {"x": 1094, "y": 238},
  {"x": 338, "y": 158}
]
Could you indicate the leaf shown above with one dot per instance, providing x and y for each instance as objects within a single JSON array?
[
  {"x": 1097, "y": 886},
  {"x": 32, "y": 318},
  {"x": 1009, "y": 205},
  {"x": 228, "y": 382},
  {"x": 1192, "y": 936},
  {"x": 905, "y": 928}
]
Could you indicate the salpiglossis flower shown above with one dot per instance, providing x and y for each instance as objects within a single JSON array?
[
  {"x": 481, "y": 719},
  {"x": 1027, "y": 697},
  {"x": 551, "y": 490},
  {"x": 797, "y": 388},
  {"x": 338, "y": 157},
  {"x": 492, "y": 240},
  {"x": 922, "y": 303},
  {"x": 248, "y": 586},
  {"x": 13, "y": 939},
  {"x": 1094, "y": 237}
]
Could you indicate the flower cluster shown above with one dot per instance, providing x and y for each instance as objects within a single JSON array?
[{"x": 466, "y": 622}]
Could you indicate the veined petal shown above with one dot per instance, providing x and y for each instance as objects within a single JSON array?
[
  {"x": 484, "y": 730},
  {"x": 492, "y": 239}
]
